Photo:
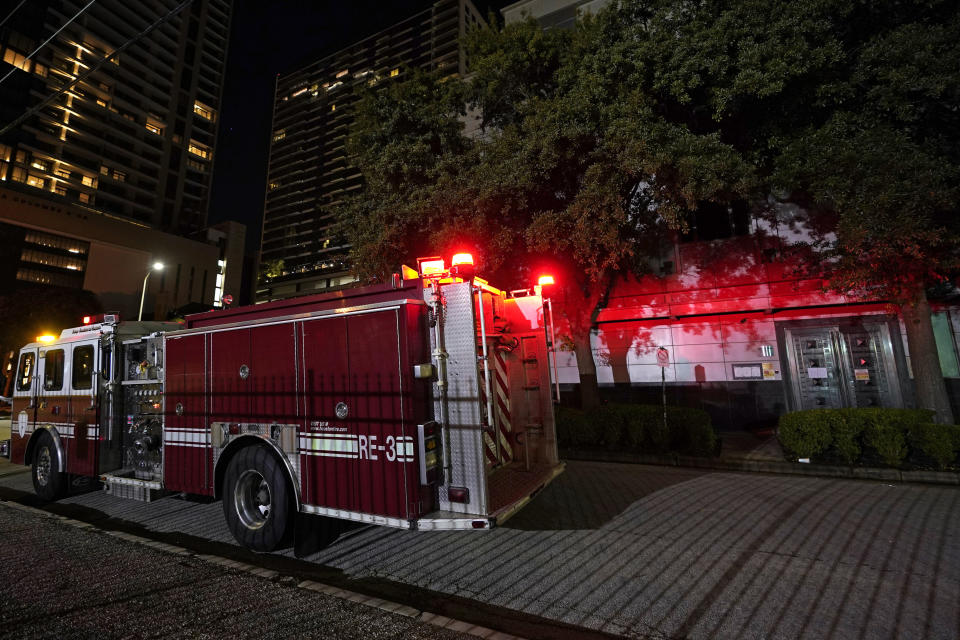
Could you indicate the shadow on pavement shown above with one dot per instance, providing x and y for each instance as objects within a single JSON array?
[{"x": 588, "y": 495}]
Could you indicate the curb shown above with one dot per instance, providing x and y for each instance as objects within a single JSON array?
[
  {"x": 275, "y": 576},
  {"x": 951, "y": 478}
]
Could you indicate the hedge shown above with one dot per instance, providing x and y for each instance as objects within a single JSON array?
[
  {"x": 893, "y": 437},
  {"x": 637, "y": 428}
]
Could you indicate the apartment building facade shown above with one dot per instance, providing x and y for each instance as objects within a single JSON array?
[
  {"x": 309, "y": 171},
  {"x": 118, "y": 111}
]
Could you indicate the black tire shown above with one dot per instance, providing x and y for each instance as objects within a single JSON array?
[
  {"x": 257, "y": 500},
  {"x": 49, "y": 482}
]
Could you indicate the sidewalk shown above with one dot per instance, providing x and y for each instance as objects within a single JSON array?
[{"x": 760, "y": 452}]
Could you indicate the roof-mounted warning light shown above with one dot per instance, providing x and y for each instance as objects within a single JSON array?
[
  {"x": 545, "y": 281},
  {"x": 46, "y": 338},
  {"x": 461, "y": 266}
]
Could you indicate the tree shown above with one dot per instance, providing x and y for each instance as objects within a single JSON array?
[{"x": 599, "y": 140}]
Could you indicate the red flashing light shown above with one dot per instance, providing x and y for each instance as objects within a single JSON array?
[
  {"x": 87, "y": 319},
  {"x": 462, "y": 266},
  {"x": 545, "y": 281}
]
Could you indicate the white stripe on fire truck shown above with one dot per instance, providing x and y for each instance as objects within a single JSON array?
[
  {"x": 330, "y": 445},
  {"x": 186, "y": 437}
]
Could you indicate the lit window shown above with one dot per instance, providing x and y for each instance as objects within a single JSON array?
[
  {"x": 88, "y": 181},
  {"x": 203, "y": 110},
  {"x": 119, "y": 176},
  {"x": 298, "y": 92},
  {"x": 19, "y": 174},
  {"x": 340, "y": 74},
  {"x": 3, "y": 170},
  {"x": 394, "y": 72},
  {"x": 104, "y": 170},
  {"x": 5, "y": 153},
  {"x": 17, "y": 59},
  {"x": 274, "y": 185},
  {"x": 333, "y": 107},
  {"x": 102, "y": 102},
  {"x": 22, "y": 157},
  {"x": 279, "y": 135},
  {"x": 62, "y": 172},
  {"x": 60, "y": 190},
  {"x": 154, "y": 128},
  {"x": 198, "y": 149},
  {"x": 43, "y": 165},
  {"x": 40, "y": 70},
  {"x": 196, "y": 166},
  {"x": 84, "y": 198},
  {"x": 35, "y": 181},
  {"x": 129, "y": 116}
]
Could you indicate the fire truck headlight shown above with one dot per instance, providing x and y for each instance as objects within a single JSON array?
[{"x": 430, "y": 459}]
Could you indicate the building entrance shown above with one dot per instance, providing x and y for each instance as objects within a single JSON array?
[{"x": 848, "y": 363}]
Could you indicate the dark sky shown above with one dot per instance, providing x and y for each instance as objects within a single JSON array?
[{"x": 269, "y": 38}]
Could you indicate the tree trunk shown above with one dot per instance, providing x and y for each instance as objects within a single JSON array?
[
  {"x": 927, "y": 376},
  {"x": 587, "y": 367}
]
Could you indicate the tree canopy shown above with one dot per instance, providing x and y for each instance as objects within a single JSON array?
[{"x": 594, "y": 142}]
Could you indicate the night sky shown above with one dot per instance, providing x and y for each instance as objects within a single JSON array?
[{"x": 269, "y": 38}]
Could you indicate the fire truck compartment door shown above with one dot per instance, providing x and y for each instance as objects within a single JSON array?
[
  {"x": 357, "y": 449},
  {"x": 187, "y": 454}
]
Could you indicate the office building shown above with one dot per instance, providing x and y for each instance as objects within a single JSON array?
[{"x": 309, "y": 170}]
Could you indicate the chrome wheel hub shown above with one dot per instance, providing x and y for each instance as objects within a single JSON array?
[
  {"x": 43, "y": 466},
  {"x": 251, "y": 498}
]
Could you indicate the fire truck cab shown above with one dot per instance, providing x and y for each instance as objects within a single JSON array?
[{"x": 424, "y": 403}]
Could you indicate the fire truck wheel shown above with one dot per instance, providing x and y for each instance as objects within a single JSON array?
[
  {"x": 257, "y": 502},
  {"x": 48, "y": 482}
]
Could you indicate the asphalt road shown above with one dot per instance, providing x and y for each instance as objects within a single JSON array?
[
  {"x": 62, "y": 582},
  {"x": 658, "y": 552}
]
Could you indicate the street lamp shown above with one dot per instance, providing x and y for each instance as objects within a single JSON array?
[{"x": 157, "y": 266}]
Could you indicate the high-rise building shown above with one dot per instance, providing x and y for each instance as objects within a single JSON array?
[
  {"x": 309, "y": 170},
  {"x": 131, "y": 128}
]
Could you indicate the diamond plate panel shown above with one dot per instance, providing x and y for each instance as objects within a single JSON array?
[{"x": 464, "y": 431}]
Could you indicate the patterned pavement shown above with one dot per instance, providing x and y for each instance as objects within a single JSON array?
[{"x": 642, "y": 551}]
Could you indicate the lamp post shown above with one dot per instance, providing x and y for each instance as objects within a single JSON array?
[{"x": 157, "y": 266}]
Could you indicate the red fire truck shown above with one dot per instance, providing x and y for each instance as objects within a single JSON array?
[{"x": 422, "y": 404}]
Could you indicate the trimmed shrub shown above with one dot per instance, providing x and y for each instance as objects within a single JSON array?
[
  {"x": 691, "y": 431},
  {"x": 805, "y": 433},
  {"x": 868, "y": 436},
  {"x": 575, "y": 428},
  {"x": 846, "y": 426},
  {"x": 938, "y": 442},
  {"x": 638, "y": 428},
  {"x": 886, "y": 435}
]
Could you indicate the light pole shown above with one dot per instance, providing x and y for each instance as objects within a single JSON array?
[{"x": 157, "y": 266}]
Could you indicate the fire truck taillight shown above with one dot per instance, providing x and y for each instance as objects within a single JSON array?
[{"x": 431, "y": 452}]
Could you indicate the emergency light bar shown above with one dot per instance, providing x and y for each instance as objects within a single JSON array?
[{"x": 544, "y": 281}]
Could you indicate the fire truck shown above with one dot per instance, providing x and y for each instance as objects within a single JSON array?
[{"x": 423, "y": 403}]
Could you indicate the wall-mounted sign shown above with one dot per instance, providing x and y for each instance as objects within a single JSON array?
[
  {"x": 748, "y": 371},
  {"x": 816, "y": 372},
  {"x": 769, "y": 372},
  {"x": 861, "y": 374}
]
